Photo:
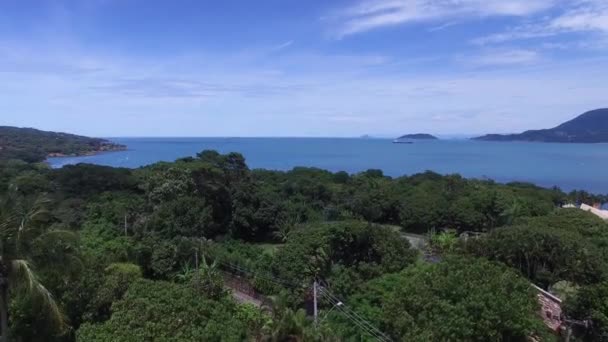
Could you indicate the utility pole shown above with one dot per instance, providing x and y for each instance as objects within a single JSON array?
[
  {"x": 125, "y": 224},
  {"x": 198, "y": 273},
  {"x": 314, "y": 293}
]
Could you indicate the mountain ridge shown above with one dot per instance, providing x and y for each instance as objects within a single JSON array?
[
  {"x": 589, "y": 127},
  {"x": 34, "y": 145},
  {"x": 418, "y": 136}
]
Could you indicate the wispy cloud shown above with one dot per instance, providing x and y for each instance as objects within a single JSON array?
[
  {"x": 370, "y": 15},
  {"x": 577, "y": 16},
  {"x": 283, "y": 45}
]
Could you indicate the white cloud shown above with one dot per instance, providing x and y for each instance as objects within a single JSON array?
[
  {"x": 370, "y": 15},
  {"x": 593, "y": 17},
  {"x": 590, "y": 16},
  {"x": 504, "y": 58}
]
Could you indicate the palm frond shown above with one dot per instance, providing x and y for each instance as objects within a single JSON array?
[{"x": 23, "y": 276}]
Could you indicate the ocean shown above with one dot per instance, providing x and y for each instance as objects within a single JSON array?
[{"x": 568, "y": 166}]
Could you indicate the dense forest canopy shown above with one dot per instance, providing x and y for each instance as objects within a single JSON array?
[
  {"x": 34, "y": 145},
  {"x": 150, "y": 254}
]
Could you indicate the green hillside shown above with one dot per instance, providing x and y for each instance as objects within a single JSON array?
[
  {"x": 34, "y": 145},
  {"x": 590, "y": 127}
]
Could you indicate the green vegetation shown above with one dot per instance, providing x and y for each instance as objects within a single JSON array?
[
  {"x": 154, "y": 253},
  {"x": 589, "y": 127},
  {"x": 33, "y": 145},
  {"x": 458, "y": 299},
  {"x": 418, "y": 136}
]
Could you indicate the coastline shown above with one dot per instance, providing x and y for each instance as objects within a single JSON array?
[
  {"x": 113, "y": 148},
  {"x": 87, "y": 153}
]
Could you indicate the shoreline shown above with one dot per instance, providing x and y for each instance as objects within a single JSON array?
[
  {"x": 84, "y": 154},
  {"x": 118, "y": 148}
]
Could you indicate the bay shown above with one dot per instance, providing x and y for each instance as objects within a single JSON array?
[{"x": 568, "y": 166}]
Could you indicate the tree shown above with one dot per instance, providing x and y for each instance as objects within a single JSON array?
[
  {"x": 163, "y": 311},
  {"x": 208, "y": 280},
  {"x": 185, "y": 216},
  {"x": 117, "y": 279},
  {"x": 286, "y": 324},
  {"x": 22, "y": 226},
  {"x": 590, "y": 303},
  {"x": 561, "y": 246},
  {"x": 370, "y": 250},
  {"x": 458, "y": 299}
]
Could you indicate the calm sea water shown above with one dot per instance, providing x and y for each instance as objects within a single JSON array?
[{"x": 569, "y": 166}]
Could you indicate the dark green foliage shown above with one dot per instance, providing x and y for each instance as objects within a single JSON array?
[
  {"x": 32, "y": 145},
  {"x": 83, "y": 180},
  {"x": 186, "y": 216},
  {"x": 367, "y": 250},
  {"x": 590, "y": 304},
  {"x": 117, "y": 279},
  {"x": 561, "y": 246},
  {"x": 280, "y": 230}
]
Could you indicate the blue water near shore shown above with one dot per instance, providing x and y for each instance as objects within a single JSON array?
[{"x": 569, "y": 166}]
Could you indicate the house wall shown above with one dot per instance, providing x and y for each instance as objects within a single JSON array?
[{"x": 551, "y": 309}]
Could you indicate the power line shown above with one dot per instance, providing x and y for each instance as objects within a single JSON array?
[
  {"x": 354, "y": 317},
  {"x": 352, "y": 312},
  {"x": 348, "y": 314},
  {"x": 263, "y": 275}
]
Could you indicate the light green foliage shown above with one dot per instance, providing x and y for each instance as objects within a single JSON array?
[
  {"x": 444, "y": 241},
  {"x": 208, "y": 280},
  {"x": 103, "y": 242},
  {"x": 458, "y": 299},
  {"x": 564, "y": 289},
  {"x": 161, "y": 311}
]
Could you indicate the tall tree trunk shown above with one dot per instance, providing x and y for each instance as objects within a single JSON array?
[{"x": 4, "y": 310}]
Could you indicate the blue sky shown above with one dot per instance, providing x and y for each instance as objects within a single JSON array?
[{"x": 300, "y": 68}]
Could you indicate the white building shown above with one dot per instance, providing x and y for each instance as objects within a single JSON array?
[{"x": 603, "y": 214}]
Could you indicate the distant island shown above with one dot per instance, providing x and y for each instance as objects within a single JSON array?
[
  {"x": 33, "y": 145},
  {"x": 590, "y": 127},
  {"x": 418, "y": 136}
]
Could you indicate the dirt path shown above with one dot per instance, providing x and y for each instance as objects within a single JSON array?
[{"x": 244, "y": 298}]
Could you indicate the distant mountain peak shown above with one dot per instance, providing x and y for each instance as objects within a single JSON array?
[{"x": 589, "y": 127}]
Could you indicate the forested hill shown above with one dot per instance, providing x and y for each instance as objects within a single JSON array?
[
  {"x": 418, "y": 136},
  {"x": 34, "y": 145},
  {"x": 590, "y": 127}
]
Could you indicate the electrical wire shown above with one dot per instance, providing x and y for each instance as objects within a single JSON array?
[{"x": 354, "y": 317}]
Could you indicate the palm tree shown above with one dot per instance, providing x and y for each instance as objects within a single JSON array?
[
  {"x": 208, "y": 279},
  {"x": 20, "y": 231},
  {"x": 512, "y": 212},
  {"x": 286, "y": 226},
  {"x": 285, "y": 324},
  {"x": 319, "y": 264}
]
